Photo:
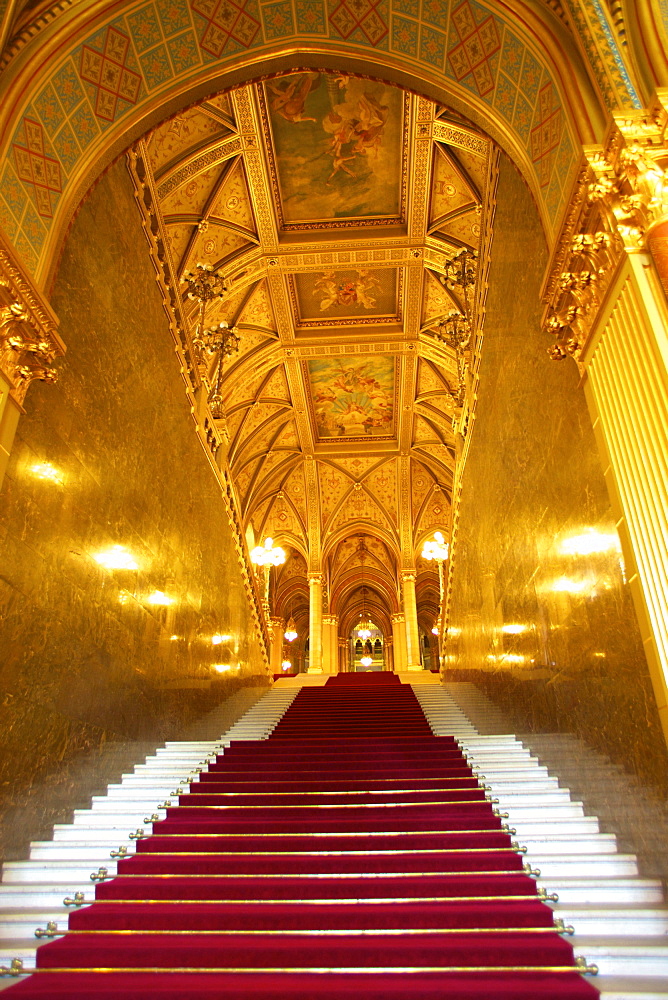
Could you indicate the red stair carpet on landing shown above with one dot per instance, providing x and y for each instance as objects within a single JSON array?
[{"x": 351, "y": 852}]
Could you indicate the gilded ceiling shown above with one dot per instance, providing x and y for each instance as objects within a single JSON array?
[{"x": 332, "y": 206}]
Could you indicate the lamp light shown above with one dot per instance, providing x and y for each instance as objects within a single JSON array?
[
  {"x": 437, "y": 549},
  {"x": 364, "y": 629},
  {"x": 268, "y": 554},
  {"x": 366, "y": 661},
  {"x": 291, "y": 632},
  {"x": 117, "y": 557},
  {"x": 159, "y": 598},
  {"x": 44, "y": 470},
  {"x": 286, "y": 664}
]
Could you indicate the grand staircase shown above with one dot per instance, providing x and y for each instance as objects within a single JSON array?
[{"x": 336, "y": 839}]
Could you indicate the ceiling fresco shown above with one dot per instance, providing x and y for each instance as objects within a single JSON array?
[
  {"x": 342, "y": 298},
  {"x": 353, "y": 396},
  {"x": 336, "y": 150},
  {"x": 340, "y": 410}
]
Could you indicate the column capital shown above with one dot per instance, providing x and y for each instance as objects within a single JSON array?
[
  {"x": 408, "y": 575},
  {"x": 314, "y": 578},
  {"x": 398, "y": 617},
  {"x": 29, "y": 340}
]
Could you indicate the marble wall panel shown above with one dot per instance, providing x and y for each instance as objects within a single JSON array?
[
  {"x": 86, "y": 661},
  {"x": 542, "y": 617}
]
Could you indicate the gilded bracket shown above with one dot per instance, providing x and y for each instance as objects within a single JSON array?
[{"x": 29, "y": 341}]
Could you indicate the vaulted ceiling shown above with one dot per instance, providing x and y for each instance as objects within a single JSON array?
[{"x": 332, "y": 206}]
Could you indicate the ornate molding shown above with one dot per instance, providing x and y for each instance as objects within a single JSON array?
[
  {"x": 620, "y": 197},
  {"x": 29, "y": 340}
]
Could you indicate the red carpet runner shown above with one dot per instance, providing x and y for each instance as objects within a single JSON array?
[{"x": 351, "y": 853}]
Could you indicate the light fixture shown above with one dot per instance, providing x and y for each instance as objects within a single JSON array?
[
  {"x": 268, "y": 554},
  {"x": 513, "y": 629},
  {"x": 159, "y": 598},
  {"x": 44, "y": 470},
  {"x": 286, "y": 664},
  {"x": 364, "y": 626},
  {"x": 221, "y": 668},
  {"x": 216, "y": 639},
  {"x": 117, "y": 557},
  {"x": 364, "y": 629},
  {"x": 366, "y": 661},
  {"x": 437, "y": 549},
  {"x": 291, "y": 630},
  {"x": 434, "y": 630}
]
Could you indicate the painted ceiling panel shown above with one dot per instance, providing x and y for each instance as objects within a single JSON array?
[
  {"x": 436, "y": 301},
  {"x": 450, "y": 191},
  {"x": 429, "y": 379},
  {"x": 359, "y": 506},
  {"x": 382, "y": 484},
  {"x": 258, "y": 310},
  {"x": 277, "y": 386},
  {"x": 185, "y": 132},
  {"x": 233, "y": 202},
  {"x": 353, "y": 396},
  {"x": 214, "y": 246},
  {"x": 336, "y": 288},
  {"x": 190, "y": 197},
  {"x": 334, "y": 485},
  {"x": 350, "y": 131}
]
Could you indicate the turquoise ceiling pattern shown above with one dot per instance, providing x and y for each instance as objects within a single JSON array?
[{"x": 155, "y": 45}]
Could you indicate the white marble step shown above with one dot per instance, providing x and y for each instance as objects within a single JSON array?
[
  {"x": 66, "y": 870},
  {"x": 632, "y": 988},
  {"x": 620, "y": 919},
  {"x": 85, "y": 849},
  {"x": 626, "y": 955}
]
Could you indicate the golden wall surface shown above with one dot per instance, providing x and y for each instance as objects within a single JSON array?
[
  {"x": 542, "y": 616},
  {"x": 86, "y": 661}
]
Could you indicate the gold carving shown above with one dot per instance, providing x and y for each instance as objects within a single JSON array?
[{"x": 29, "y": 342}]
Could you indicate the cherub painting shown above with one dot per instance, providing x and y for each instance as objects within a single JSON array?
[
  {"x": 338, "y": 146},
  {"x": 337, "y": 290},
  {"x": 353, "y": 396}
]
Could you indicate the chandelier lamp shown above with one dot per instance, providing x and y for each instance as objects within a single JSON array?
[
  {"x": 364, "y": 627},
  {"x": 438, "y": 550},
  {"x": 205, "y": 285},
  {"x": 265, "y": 556},
  {"x": 291, "y": 632}
]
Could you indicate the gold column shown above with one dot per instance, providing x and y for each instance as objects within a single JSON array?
[
  {"x": 388, "y": 654},
  {"x": 330, "y": 645},
  {"x": 399, "y": 642},
  {"x": 607, "y": 307},
  {"x": 627, "y": 393},
  {"x": 315, "y": 623},
  {"x": 344, "y": 665},
  {"x": 9, "y": 418},
  {"x": 410, "y": 615},
  {"x": 333, "y": 666},
  {"x": 277, "y": 627}
]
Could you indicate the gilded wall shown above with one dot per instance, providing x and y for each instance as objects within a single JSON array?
[
  {"x": 109, "y": 456},
  {"x": 542, "y": 617}
]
